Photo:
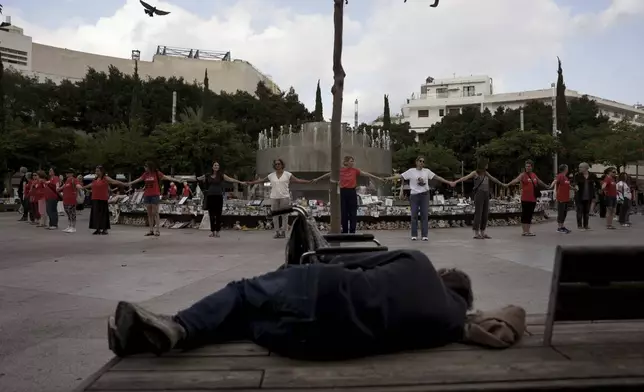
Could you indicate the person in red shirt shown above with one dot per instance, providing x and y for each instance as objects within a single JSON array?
[
  {"x": 172, "y": 192},
  {"x": 348, "y": 196},
  {"x": 51, "y": 199},
  {"x": 562, "y": 195},
  {"x": 152, "y": 178},
  {"x": 529, "y": 194},
  {"x": 33, "y": 200},
  {"x": 39, "y": 188},
  {"x": 99, "y": 216},
  {"x": 70, "y": 189},
  {"x": 186, "y": 189},
  {"x": 609, "y": 187}
]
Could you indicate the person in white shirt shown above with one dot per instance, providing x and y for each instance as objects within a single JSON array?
[
  {"x": 280, "y": 196},
  {"x": 624, "y": 197},
  {"x": 419, "y": 178}
]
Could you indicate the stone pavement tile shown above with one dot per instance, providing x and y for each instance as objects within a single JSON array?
[
  {"x": 29, "y": 317},
  {"x": 55, "y": 365}
]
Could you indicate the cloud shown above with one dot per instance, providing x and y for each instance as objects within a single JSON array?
[{"x": 390, "y": 50}]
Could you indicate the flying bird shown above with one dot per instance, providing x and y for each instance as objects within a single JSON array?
[
  {"x": 433, "y": 5},
  {"x": 152, "y": 10}
]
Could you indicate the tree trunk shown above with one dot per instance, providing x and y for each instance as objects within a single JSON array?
[{"x": 336, "y": 119}]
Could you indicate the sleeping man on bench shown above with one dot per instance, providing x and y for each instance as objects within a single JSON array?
[{"x": 365, "y": 304}]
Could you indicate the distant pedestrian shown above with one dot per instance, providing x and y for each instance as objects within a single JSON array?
[
  {"x": 609, "y": 188},
  {"x": 586, "y": 187},
  {"x": 624, "y": 197},
  {"x": 24, "y": 200},
  {"x": 70, "y": 189},
  {"x": 529, "y": 195},
  {"x": 215, "y": 185},
  {"x": 562, "y": 195},
  {"x": 99, "y": 217},
  {"x": 51, "y": 199}
]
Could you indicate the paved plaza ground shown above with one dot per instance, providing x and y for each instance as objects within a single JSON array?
[{"x": 57, "y": 289}]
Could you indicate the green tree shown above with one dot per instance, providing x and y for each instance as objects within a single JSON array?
[
  {"x": 622, "y": 144},
  {"x": 438, "y": 159},
  {"x": 191, "y": 146},
  {"x": 386, "y": 115},
  {"x": 561, "y": 104},
  {"x": 318, "y": 114},
  {"x": 508, "y": 153}
]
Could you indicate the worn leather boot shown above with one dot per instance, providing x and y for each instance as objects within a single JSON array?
[{"x": 136, "y": 330}]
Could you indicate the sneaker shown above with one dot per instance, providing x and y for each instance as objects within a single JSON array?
[
  {"x": 414, "y": 238},
  {"x": 52, "y": 228},
  {"x": 561, "y": 230},
  {"x": 567, "y": 231},
  {"x": 67, "y": 230},
  {"x": 72, "y": 230},
  {"x": 425, "y": 239}
]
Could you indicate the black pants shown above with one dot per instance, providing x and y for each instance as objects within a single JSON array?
[
  {"x": 602, "y": 206},
  {"x": 583, "y": 212},
  {"x": 25, "y": 208},
  {"x": 527, "y": 210},
  {"x": 348, "y": 209},
  {"x": 52, "y": 212},
  {"x": 562, "y": 211},
  {"x": 215, "y": 205},
  {"x": 623, "y": 211}
]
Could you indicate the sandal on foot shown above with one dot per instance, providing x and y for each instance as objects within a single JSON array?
[
  {"x": 149, "y": 234},
  {"x": 157, "y": 233}
]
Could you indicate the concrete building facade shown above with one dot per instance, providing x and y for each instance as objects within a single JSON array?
[
  {"x": 48, "y": 62},
  {"x": 439, "y": 97}
]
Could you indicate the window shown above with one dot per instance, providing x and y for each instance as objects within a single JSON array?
[
  {"x": 423, "y": 113},
  {"x": 441, "y": 112},
  {"x": 441, "y": 92},
  {"x": 454, "y": 111},
  {"x": 469, "y": 91}
]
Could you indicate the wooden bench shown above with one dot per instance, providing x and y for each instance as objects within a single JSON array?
[
  {"x": 596, "y": 284},
  {"x": 592, "y": 356}
]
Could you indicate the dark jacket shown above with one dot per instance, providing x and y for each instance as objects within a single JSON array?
[
  {"x": 580, "y": 183},
  {"x": 365, "y": 304},
  {"x": 21, "y": 187}
]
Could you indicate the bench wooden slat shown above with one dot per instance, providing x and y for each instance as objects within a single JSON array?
[
  {"x": 204, "y": 380},
  {"x": 440, "y": 373},
  {"x": 615, "y": 302},
  {"x": 610, "y": 264},
  {"x": 237, "y": 349}
]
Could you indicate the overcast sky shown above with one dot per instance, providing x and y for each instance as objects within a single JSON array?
[{"x": 390, "y": 47}]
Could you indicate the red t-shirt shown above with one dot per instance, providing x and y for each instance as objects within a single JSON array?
[
  {"x": 39, "y": 190},
  {"x": 27, "y": 189},
  {"x": 152, "y": 183},
  {"x": 100, "y": 189},
  {"x": 528, "y": 183},
  {"x": 70, "y": 191},
  {"x": 563, "y": 188},
  {"x": 186, "y": 190},
  {"x": 50, "y": 189},
  {"x": 611, "y": 188},
  {"x": 173, "y": 191},
  {"x": 349, "y": 177}
]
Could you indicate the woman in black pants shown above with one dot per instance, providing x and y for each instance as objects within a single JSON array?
[
  {"x": 587, "y": 186},
  {"x": 214, "y": 196},
  {"x": 348, "y": 196}
]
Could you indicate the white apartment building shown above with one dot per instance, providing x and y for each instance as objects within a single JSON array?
[
  {"x": 48, "y": 62},
  {"x": 439, "y": 97}
]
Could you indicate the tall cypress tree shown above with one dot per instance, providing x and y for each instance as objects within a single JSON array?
[
  {"x": 205, "y": 107},
  {"x": 562, "y": 106},
  {"x": 318, "y": 114},
  {"x": 386, "y": 116},
  {"x": 136, "y": 107}
]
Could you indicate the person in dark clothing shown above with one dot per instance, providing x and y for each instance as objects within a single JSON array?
[
  {"x": 215, "y": 184},
  {"x": 587, "y": 186},
  {"x": 359, "y": 305},
  {"x": 24, "y": 201}
]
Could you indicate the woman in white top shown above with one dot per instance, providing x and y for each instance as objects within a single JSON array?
[
  {"x": 624, "y": 196},
  {"x": 419, "y": 178},
  {"x": 280, "y": 180}
]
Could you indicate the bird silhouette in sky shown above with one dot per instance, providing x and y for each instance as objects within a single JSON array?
[
  {"x": 433, "y": 5},
  {"x": 152, "y": 10}
]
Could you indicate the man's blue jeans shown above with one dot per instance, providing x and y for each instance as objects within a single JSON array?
[{"x": 419, "y": 203}]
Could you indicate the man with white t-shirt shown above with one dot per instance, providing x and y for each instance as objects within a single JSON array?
[
  {"x": 419, "y": 178},
  {"x": 280, "y": 180}
]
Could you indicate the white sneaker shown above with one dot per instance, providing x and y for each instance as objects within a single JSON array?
[
  {"x": 72, "y": 230},
  {"x": 67, "y": 230},
  {"x": 425, "y": 239},
  {"x": 414, "y": 238}
]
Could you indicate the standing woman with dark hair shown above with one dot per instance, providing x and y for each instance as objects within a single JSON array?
[
  {"x": 562, "y": 196},
  {"x": 280, "y": 180},
  {"x": 70, "y": 189},
  {"x": 152, "y": 178},
  {"x": 529, "y": 195},
  {"x": 609, "y": 188},
  {"x": 214, "y": 185},
  {"x": 99, "y": 216},
  {"x": 348, "y": 195},
  {"x": 586, "y": 186},
  {"x": 51, "y": 199},
  {"x": 481, "y": 197},
  {"x": 419, "y": 178}
]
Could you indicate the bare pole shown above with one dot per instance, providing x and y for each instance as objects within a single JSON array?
[{"x": 336, "y": 126}]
